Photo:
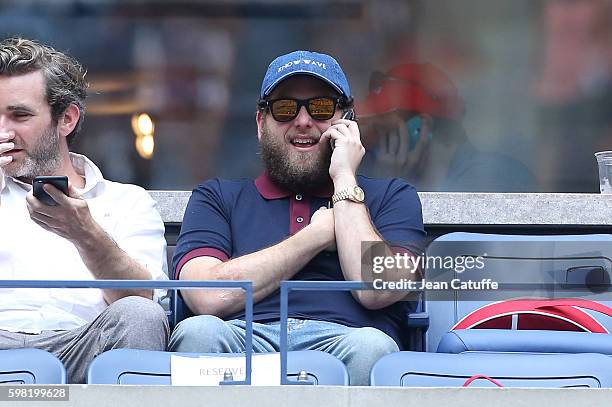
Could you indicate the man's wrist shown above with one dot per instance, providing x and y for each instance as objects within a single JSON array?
[
  {"x": 314, "y": 233},
  {"x": 343, "y": 182},
  {"x": 91, "y": 238}
]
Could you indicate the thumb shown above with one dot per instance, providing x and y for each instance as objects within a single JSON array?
[{"x": 72, "y": 191}]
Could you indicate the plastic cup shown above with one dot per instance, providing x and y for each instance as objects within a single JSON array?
[{"x": 604, "y": 161}]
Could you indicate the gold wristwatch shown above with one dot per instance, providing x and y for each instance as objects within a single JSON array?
[{"x": 354, "y": 194}]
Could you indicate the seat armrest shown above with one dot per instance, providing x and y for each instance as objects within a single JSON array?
[{"x": 418, "y": 320}]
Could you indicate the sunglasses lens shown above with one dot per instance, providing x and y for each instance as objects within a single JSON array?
[
  {"x": 322, "y": 108},
  {"x": 284, "y": 110}
]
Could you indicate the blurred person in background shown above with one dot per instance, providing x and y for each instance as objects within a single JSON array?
[
  {"x": 99, "y": 230},
  {"x": 412, "y": 126}
]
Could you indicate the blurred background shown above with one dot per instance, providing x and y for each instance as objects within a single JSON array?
[{"x": 535, "y": 77}]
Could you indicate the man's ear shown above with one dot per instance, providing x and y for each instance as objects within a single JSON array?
[
  {"x": 68, "y": 121},
  {"x": 259, "y": 119}
]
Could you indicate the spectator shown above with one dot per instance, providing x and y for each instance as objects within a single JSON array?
[
  {"x": 280, "y": 227},
  {"x": 413, "y": 127},
  {"x": 100, "y": 230}
]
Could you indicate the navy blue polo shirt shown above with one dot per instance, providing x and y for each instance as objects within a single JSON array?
[{"x": 228, "y": 219}]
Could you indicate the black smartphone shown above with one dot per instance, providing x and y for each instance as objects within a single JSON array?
[
  {"x": 60, "y": 182},
  {"x": 348, "y": 115}
]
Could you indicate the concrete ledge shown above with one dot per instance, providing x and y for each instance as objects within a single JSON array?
[
  {"x": 309, "y": 396},
  {"x": 440, "y": 208}
]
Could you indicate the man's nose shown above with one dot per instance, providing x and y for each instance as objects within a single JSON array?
[{"x": 303, "y": 118}]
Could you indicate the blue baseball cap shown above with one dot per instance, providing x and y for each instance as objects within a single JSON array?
[{"x": 320, "y": 66}]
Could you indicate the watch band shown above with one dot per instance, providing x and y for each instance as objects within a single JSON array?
[
  {"x": 354, "y": 193},
  {"x": 341, "y": 196}
]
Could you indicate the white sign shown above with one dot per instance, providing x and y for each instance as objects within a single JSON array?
[{"x": 210, "y": 370}]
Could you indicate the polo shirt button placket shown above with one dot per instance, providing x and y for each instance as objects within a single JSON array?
[{"x": 299, "y": 219}]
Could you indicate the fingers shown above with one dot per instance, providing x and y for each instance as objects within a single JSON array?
[
  {"x": 72, "y": 191},
  {"x": 6, "y": 136},
  {"x": 57, "y": 195},
  {"x": 332, "y": 133},
  {"x": 5, "y": 160},
  {"x": 39, "y": 212},
  {"x": 46, "y": 223},
  {"x": 41, "y": 218},
  {"x": 37, "y": 207},
  {"x": 403, "y": 145},
  {"x": 6, "y": 145},
  {"x": 340, "y": 131},
  {"x": 351, "y": 124},
  {"x": 325, "y": 137},
  {"x": 421, "y": 142},
  {"x": 393, "y": 142}
]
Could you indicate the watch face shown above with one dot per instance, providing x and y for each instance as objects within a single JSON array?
[{"x": 358, "y": 194}]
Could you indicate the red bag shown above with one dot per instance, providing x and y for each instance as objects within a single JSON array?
[{"x": 542, "y": 314}]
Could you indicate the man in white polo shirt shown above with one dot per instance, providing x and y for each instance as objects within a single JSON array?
[{"x": 100, "y": 230}]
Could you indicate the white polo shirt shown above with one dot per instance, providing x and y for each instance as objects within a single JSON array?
[{"x": 28, "y": 252}]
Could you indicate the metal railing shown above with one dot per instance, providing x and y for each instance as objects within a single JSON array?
[{"x": 247, "y": 286}]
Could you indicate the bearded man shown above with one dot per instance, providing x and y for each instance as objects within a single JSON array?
[
  {"x": 280, "y": 227},
  {"x": 99, "y": 230}
]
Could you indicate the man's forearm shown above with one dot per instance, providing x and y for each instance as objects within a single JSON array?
[
  {"x": 266, "y": 268},
  {"x": 353, "y": 226},
  {"x": 107, "y": 261}
]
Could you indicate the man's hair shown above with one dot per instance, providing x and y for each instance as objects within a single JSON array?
[{"x": 64, "y": 76}]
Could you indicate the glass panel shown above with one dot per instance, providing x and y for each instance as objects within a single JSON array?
[{"x": 520, "y": 91}]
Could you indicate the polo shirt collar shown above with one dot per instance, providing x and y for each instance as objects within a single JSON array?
[{"x": 269, "y": 190}]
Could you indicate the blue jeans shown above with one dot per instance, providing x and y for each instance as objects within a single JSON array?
[{"x": 358, "y": 348}]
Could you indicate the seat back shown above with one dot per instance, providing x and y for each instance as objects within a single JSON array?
[
  {"x": 542, "y": 266},
  {"x": 30, "y": 366},
  {"x": 130, "y": 366},
  {"x": 424, "y": 369},
  {"x": 492, "y": 340}
]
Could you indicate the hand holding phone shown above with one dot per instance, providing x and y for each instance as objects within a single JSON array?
[
  {"x": 348, "y": 115},
  {"x": 59, "y": 182}
]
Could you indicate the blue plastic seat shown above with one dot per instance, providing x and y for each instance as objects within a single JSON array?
[
  {"x": 491, "y": 340},
  {"x": 130, "y": 366},
  {"x": 424, "y": 369},
  {"x": 546, "y": 266},
  {"x": 30, "y": 366}
]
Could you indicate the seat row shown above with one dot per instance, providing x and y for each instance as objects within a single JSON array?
[
  {"x": 453, "y": 350},
  {"x": 405, "y": 369}
]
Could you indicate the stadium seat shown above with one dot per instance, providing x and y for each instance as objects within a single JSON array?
[
  {"x": 424, "y": 369},
  {"x": 130, "y": 366},
  {"x": 546, "y": 266},
  {"x": 30, "y": 366},
  {"x": 491, "y": 340}
]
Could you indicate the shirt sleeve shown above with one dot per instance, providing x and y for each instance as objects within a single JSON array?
[
  {"x": 141, "y": 235},
  {"x": 206, "y": 227},
  {"x": 399, "y": 218}
]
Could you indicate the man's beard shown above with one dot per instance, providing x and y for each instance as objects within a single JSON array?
[
  {"x": 42, "y": 159},
  {"x": 294, "y": 170}
]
